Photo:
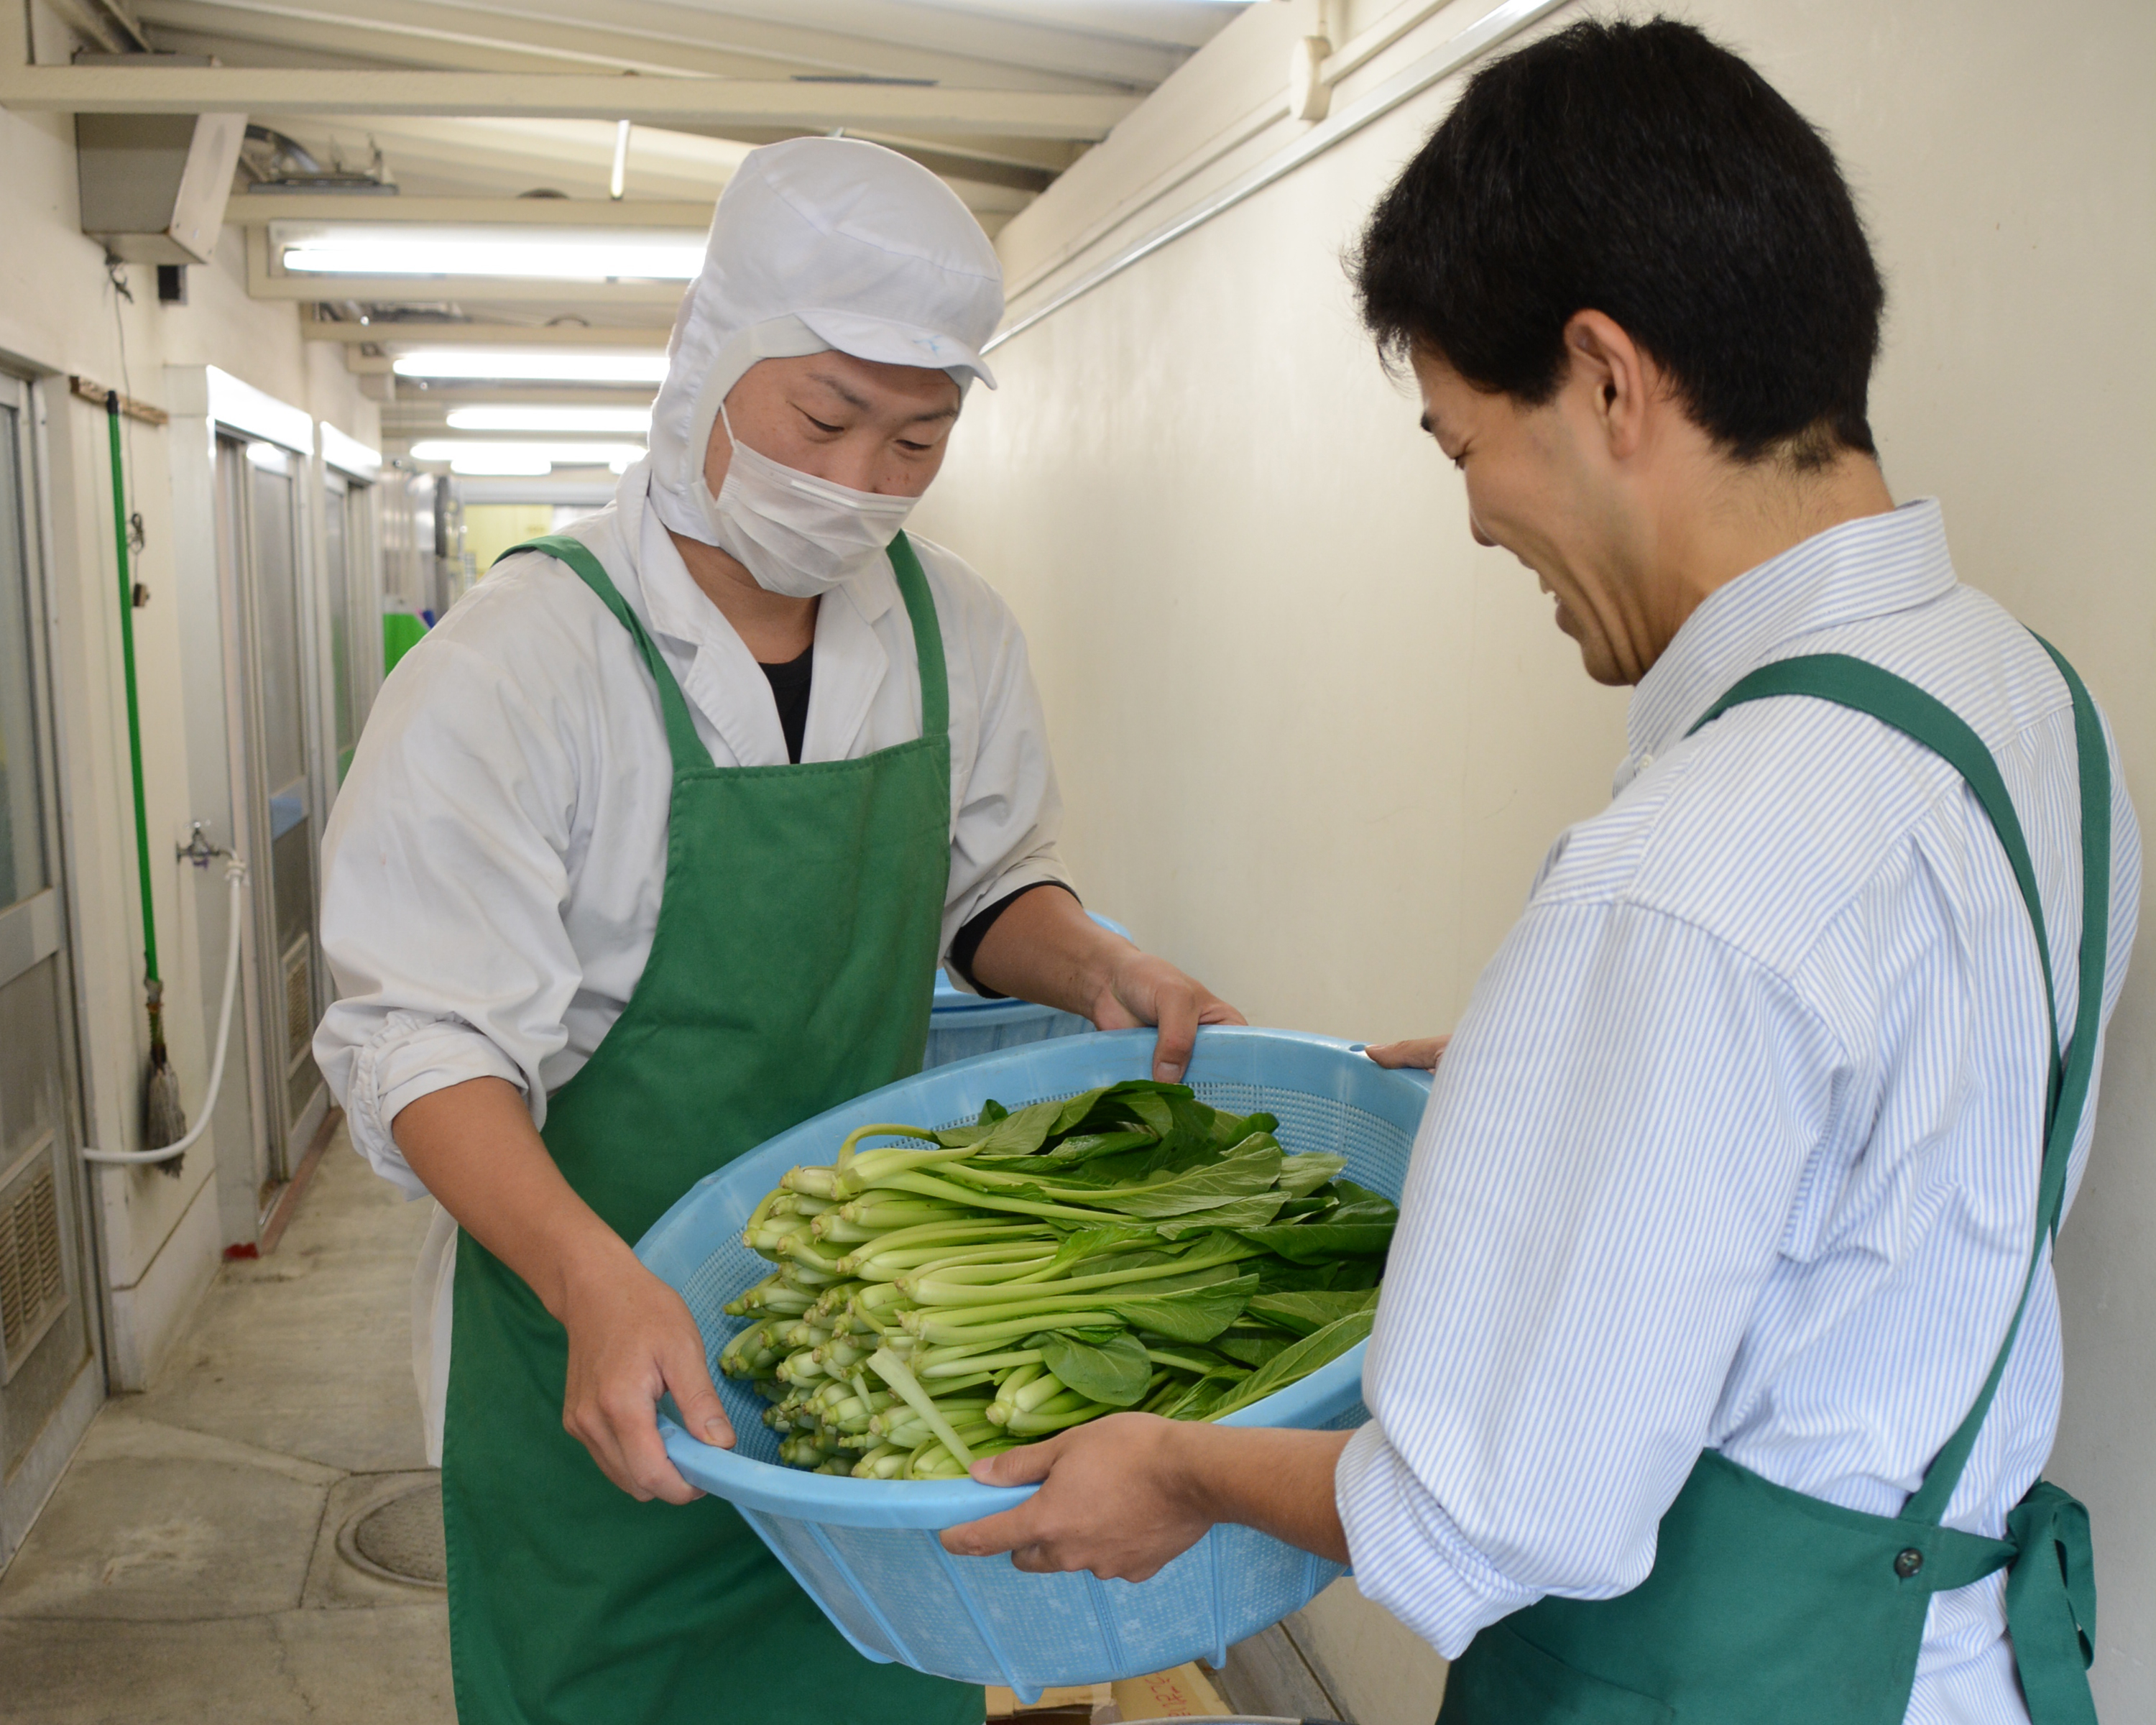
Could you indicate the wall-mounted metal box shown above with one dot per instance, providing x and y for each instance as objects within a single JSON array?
[{"x": 154, "y": 185}]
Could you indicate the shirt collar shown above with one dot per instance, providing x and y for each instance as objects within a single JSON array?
[{"x": 1872, "y": 566}]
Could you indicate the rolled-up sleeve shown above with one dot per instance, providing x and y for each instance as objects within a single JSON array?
[
  {"x": 445, "y": 881},
  {"x": 1598, "y": 1190}
]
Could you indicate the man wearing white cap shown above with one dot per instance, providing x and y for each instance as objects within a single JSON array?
[{"x": 649, "y": 852}]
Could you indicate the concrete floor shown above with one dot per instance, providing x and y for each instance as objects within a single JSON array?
[{"x": 187, "y": 1568}]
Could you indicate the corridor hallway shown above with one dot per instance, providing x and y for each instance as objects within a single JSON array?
[{"x": 187, "y": 1568}]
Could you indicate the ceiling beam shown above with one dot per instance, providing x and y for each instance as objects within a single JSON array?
[
  {"x": 993, "y": 35},
  {"x": 259, "y": 208},
  {"x": 708, "y": 101},
  {"x": 459, "y": 35},
  {"x": 397, "y": 334}
]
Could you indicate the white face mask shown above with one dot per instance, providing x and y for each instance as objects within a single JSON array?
[{"x": 798, "y": 535}]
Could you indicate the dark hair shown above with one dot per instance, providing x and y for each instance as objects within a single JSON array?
[{"x": 1646, "y": 172}]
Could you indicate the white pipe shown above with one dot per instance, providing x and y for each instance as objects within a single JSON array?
[{"x": 235, "y": 877}]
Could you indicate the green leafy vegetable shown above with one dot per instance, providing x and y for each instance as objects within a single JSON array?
[
  {"x": 1107, "y": 1365},
  {"x": 940, "y": 1295}
]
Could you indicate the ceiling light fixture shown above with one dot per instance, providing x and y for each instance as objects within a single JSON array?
[
  {"x": 525, "y": 253},
  {"x": 522, "y": 365},
  {"x": 636, "y": 420},
  {"x": 522, "y": 460}
]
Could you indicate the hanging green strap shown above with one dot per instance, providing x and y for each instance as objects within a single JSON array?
[
  {"x": 688, "y": 748},
  {"x": 134, "y": 701},
  {"x": 927, "y": 637},
  {"x": 1896, "y": 702}
]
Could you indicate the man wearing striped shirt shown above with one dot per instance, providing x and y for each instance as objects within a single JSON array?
[{"x": 1723, "y": 1209}]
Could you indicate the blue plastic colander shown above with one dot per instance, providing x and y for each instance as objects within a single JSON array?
[{"x": 865, "y": 1550}]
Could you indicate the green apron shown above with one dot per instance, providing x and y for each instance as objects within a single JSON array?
[
  {"x": 790, "y": 971},
  {"x": 1768, "y": 1607}
]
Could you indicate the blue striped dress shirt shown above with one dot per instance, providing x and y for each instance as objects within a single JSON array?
[{"x": 1735, "y": 1145}]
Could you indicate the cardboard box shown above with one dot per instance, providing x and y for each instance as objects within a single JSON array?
[
  {"x": 1182, "y": 1694},
  {"x": 1082, "y": 1705}
]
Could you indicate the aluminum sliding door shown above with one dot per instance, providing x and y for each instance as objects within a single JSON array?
[
  {"x": 48, "y": 1340},
  {"x": 279, "y": 779}
]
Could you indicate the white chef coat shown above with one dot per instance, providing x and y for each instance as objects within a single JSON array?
[
  {"x": 1736, "y": 1143},
  {"x": 492, "y": 869}
]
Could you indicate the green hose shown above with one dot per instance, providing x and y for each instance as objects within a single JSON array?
[{"x": 164, "y": 1123}]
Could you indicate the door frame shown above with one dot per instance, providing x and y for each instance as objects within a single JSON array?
[
  {"x": 286, "y": 1137},
  {"x": 24, "y": 1493}
]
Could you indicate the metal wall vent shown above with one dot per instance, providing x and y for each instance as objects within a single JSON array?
[{"x": 33, "y": 1290}]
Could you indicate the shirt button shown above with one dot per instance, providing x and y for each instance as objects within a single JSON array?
[
  {"x": 1908, "y": 1563},
  {"x": 1646, "y": 761}
]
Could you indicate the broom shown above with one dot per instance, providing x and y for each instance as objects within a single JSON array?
[{"x": 164, "y": 1120}]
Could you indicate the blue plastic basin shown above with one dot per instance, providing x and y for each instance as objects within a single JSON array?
[{"x": 865, "y": 1550}]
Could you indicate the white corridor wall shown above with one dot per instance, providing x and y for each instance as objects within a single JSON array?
[{"x": 1314, "y": 742}]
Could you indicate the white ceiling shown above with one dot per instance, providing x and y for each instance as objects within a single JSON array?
[
  {"x": 958, "y": 61},
  {"x": 1121, "y": 47}
]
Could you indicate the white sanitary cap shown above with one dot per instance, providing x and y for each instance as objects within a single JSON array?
[{"x": 818, "y": 244}]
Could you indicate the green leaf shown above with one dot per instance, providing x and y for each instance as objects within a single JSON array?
[
  {"x": 1236, "y": 1176},
  {"x": 1308, "y": 1313},
  {"x": 1255, "y": 1211},
  {"x": 1150, "y": 1111},
  {"x": 1085, "y": 1146},
  {"x": 1110, "y": 1241},
  {"x": 1104, "y": 1365},
  {"x": 1251, "y": 1347},
  {"x": 1278, "y": 1276},
  {"x": 1193, "y": 1315},
  {"x": 1198, "y": 1401},
  {"x": 1294, "y": 1362},
  {"x": 1202, "y": 1189},
  {"x": 1300, "y": 1175},
  {"x": 1360, "y": 1226}
]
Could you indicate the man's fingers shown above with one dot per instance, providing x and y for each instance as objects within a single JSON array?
[
  {"x": 1007, "y": 1532},
  {"x": 644, "y": 1455},
  {"x": 1423, "y": 1052},
  {"x": 1027, "y": 1465},
  {"x": 590, "y": 1427},
  {"x": 1178, "y": 1035},
  {"x": 703, "y": 1415}
]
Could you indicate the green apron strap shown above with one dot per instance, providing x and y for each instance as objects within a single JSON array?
[
  {"x": 688, "y": 748},
  {"x": 927, "y": 637},
  {"x": 1896, "y": 702}
]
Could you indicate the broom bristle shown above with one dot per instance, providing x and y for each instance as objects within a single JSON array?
[{"x": 165, "y": 1119}]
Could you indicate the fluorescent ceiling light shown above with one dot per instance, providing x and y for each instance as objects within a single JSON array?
[
  {"x": 637, "y": 420},
  {"x": 529, "y": 254},
  {"x": 542, "y": 365},
  {"x": 524, "y": 460}
]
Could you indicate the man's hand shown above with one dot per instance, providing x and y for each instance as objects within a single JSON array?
[
  {"x": 631, "y": 1341},
  {"x": 1117, "y": 1496},
  {"x": 1143, "y": 989},
  {"x": 631, "y": 1338},
  {"x": 1045, "y": 947},
  {"x": 1423, "y": 1052},
  {"x": 1124, "y": 1495}
]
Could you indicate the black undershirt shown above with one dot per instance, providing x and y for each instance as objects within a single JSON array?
[{"x": 789, "y": 689}]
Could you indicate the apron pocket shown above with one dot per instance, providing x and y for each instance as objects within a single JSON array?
[{"x": 1502, "y": 1679}]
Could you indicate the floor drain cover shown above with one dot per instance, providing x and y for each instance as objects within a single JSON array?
[{"x": 401, "y": 1540}]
